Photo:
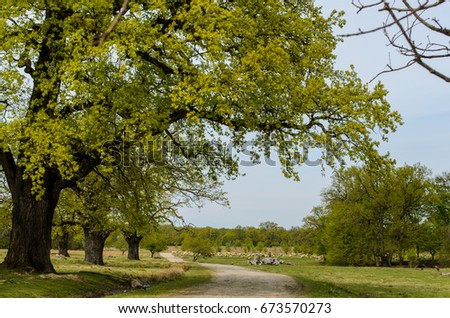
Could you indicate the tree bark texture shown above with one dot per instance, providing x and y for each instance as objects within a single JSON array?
[
  {"x": 94, "y": 244},
  {"x": 63, "y": 244},
  {"x": 30, "y": 241},
  {"x": 133, "y": 241}
]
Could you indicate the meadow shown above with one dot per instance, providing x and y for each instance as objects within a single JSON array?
[
  {"x": 318, "y": 280},
  {"x": 75, "y": 278}
]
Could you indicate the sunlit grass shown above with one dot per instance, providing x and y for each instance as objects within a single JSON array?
[
  {"x": 318, "y": 280},
  {"x": 75, "y": 278},
  {"x": 78, "y": 279}
]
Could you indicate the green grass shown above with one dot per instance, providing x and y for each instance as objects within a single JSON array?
[
  {"x": 76, "y": 279},
  {"x": 318, "y": 280}
]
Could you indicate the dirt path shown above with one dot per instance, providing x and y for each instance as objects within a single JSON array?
[{"x": 238, "y": 282}]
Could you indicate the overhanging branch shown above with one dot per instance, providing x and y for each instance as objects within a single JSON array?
[{"x": 406, "y": 18}]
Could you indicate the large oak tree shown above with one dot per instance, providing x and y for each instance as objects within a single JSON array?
[{"x": 77, "y": 76}]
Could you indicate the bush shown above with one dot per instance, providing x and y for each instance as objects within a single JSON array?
[{"x": 199, "y": 247}]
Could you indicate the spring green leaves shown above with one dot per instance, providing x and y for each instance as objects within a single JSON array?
[{"x": 194, "y": 69}]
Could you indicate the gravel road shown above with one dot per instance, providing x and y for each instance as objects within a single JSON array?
[{"x": 238, "y": 282}]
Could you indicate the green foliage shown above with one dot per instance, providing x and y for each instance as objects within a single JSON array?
[
  {"x": 313, "y": 231},
  {"x": 155, "y": 242},
  {"x": 117, "y": 240},
  {"x": 93, "y": 207},
  {"x": 75, "y": 82},
  {"x": 348, "y": 238},
  {"x": 200, "y": 247},
  {"x": 286, "y": 248},
  {"x": 260, "y": 247},
  {"x": 372, "y": 216},
  {"x": 242, "y": 238},
  {"x": 84, "y": 85}
]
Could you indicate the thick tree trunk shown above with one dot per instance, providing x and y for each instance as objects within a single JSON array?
[
  {"x": 94, "y": 244},
  {"x": 133, "y": 241},
  {"x": 30, "y": 242},
  {"x": 30, "y": 239}
]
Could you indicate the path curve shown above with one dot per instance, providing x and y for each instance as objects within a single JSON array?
[{"x": 231, "y": 281}]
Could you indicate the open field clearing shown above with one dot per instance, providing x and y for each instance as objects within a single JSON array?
[
  {"x": 335, "y": 281},
  {"x": 78, "y": 279}
]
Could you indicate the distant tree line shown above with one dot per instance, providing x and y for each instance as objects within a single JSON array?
[
  {"x": 382, "y": 217},
  {"x": 367, "y": 217}
]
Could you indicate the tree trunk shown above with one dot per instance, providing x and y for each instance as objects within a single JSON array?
[
  {"x": 385, "y": 260},
  {"x": 63, "y": 244},
  {"x": 30, "y": 241},
  {"x": 432, "y": 252},
  {"x": 383, "y": 257},
  {"x": 94, "y": 244},
  {"x": 133, "y": 241}
]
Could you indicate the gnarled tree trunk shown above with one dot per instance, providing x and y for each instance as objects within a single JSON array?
[
  {"x": 94, "y": 244},
  {"x": 30, "y": 242},
  {"x": 133, "y": 241}
]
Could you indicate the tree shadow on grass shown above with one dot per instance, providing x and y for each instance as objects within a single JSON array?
[{"x": 74, "y": 284}]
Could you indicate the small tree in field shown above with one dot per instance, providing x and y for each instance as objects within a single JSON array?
[
  {"x": 154, "y": 242},
  {"x": 155, "y": 247},
  {"x": 200, "y": 247},
  {"x": 260, "y": 247},
  {"x": 117, "y": 241}
]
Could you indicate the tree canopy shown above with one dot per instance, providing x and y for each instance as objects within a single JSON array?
[
  {"x": 372, "y": 216},
  {"x": 82, "y": 82}
]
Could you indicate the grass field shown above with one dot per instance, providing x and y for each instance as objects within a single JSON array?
[
  {"x": 75, "y": 278},
  {"x": 333, "y": 281}
]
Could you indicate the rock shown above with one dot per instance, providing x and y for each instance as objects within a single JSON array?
[
  {"x": 268, "y": 261},
  {"x": 136, "y": 283}
]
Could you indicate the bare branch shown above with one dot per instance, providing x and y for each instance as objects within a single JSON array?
[
  {"x": 391, "y": 69},
  {"x": 406, "y": 18},
  {"x": 417, "y": 55},
  {"x": 440, "y": 29}
]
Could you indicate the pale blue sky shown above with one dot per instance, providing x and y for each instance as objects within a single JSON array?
[{"x": 422, "y": 99}]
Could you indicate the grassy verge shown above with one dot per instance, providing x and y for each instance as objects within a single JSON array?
[
  {"x": 333, "y": 281},
  {"x": 169, "y": 288},
  {"x": 76, "y": 279}
]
